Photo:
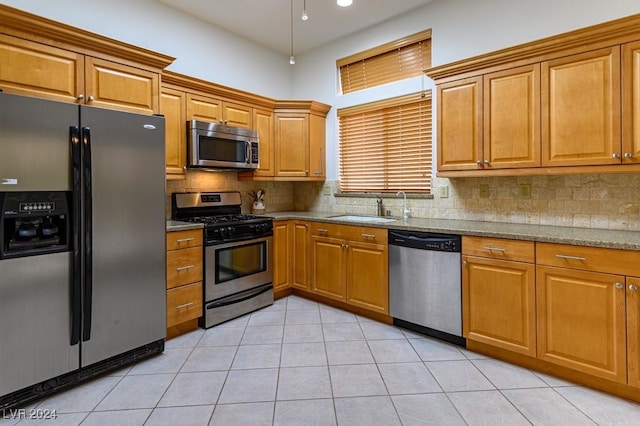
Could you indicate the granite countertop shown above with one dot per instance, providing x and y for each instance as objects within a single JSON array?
[
  {"x": 176, "y": 225},
  {"x": 628, "y": 240}
]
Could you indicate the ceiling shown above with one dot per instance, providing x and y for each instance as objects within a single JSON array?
[{"x": 268, "y": 22}]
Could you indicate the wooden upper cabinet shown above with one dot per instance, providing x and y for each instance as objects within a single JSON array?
[
  {"x": 33, "y": 69},
  {"x": 117, "y": 86},
  {"x": 292, "y": 147},
  {"x": 631, "y": 103},
  {"x": 512, "y": 118},
  {"x": 205, "y": 108},
  {"x": 460, "y": 125},
  {"x": 263, "y": 123},
  {"x": 581, "y": 109},
  {"x": 172, "y": 106}
]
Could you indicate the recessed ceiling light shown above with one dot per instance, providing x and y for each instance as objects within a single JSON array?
[{"x": 345, "y": 3}]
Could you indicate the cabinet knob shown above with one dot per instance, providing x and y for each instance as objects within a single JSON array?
[
  {"x": 91, "y": 98},
  {"x": 619, "y": 286},
  {"x": 464, "y": 263},
  {"x": 616, "y": 155},
  {"x": 306, "y": 172},
  {"x": 479, "y": 163},
  {"x": 80, "y": 97},
  {"x": 486, "y": 162},
  {"x": 628, "y": 155},
  {"x": 633, "y": 287}
]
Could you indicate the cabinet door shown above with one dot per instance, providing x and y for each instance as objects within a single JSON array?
[
  {"x": 631, "y": 103},
  {"x": 41, "y": 71},
  {"x": 633, "y": 330},
  {"x": 317, "y": 152},
  {"x": 512, "y": 118},
  {"x": 581, "y": 109},
  {"x": 172, "y": 106},
  {"x": 292, "y": 145},
  {"x": 237, "y": 115},
  {"x": 582, "y": 321},
  {"x": 368, "y": 276},
  {"x": 281, "y": 264},
  {"x": 204, "y": 108},
  {"x": 460, "y": 125},
  {"x": 328, "y": 267},
  {"x": 263, "y": 123},
  {"x": 184, "y": 304},
  {"x": 117, "y": 86},
  {"x": 498, "y": 302},
  {"x": 300, "y": 256}
]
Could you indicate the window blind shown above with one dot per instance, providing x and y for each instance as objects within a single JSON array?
[
  {"x": 393, "y": 61},
  {"x": 386, "y": 146}
]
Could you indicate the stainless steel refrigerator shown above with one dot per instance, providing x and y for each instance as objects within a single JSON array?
[{"x": 82, "y": 243}]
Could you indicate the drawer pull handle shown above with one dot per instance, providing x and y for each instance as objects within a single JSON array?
[
  {"x": 368, "y": 236},
  {"x": 323, "y": 231},
  {"x": 501, "y": 250},
  {"x": 182, "y": 268},
  {"x": 186, "y": 305},
  {"x": 564, "y": 256},
  {"x": 185, "y": 240}
]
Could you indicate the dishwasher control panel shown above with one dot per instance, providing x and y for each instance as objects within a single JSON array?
[{"x": 426, "y": 240}]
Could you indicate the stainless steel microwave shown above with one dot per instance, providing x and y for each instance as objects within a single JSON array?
[{"x": 218, "y": 146}]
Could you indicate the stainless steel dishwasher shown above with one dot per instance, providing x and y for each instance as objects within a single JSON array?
[{"x": 425, "y": 288}]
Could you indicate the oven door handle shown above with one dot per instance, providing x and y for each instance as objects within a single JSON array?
[{"x": 228, "y": 302}]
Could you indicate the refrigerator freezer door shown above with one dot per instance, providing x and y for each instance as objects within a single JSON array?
[
  {"x": 128, "y": 294},
  {"x": 34, "y": 147},
  {"x": 35, "y": 317}
]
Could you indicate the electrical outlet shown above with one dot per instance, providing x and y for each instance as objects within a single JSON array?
[
  {"x": 326, "y": 190},
  {"x": 444, "y": 192},
  {"x": 484, "y": 191},
  {"x": 525, "y": 190}
]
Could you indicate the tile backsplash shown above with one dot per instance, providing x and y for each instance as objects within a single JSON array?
[{"x": 604, "y": 201}]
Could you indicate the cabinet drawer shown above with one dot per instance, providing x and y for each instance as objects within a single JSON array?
[
  {"x": 353, "y": 233},
  {"x": 613, "y": 261},
  {"x": 184, "y": 239},
  {"x": 184, "y": 266},
  {"x": 184, "y": 303},
  {"x": 499, "y": 248}
]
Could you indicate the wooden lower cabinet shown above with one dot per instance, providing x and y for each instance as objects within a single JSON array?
[
  {"x": 281, "y": 263},
  {"x": 300, "y": 258},
  {"x": 184, "y": 281},
  {"x": 350, "y": 264},
  {"x": 329, "y": 267},
  {"x": 581, "y": 321},
  {"x": 499, "y": 303},
  {"x": 633, "y": 331}
]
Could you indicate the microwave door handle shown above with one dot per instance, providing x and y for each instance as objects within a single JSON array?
[{"x": 247, "y": 147}]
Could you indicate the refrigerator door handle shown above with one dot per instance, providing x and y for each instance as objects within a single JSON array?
[
  {"x": 88, "y": 262},
  {"x": 76, "y": 209}
]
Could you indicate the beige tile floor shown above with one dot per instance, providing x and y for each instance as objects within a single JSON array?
[{"x": 301, "y": 363}]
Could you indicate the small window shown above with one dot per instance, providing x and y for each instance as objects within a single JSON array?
[
  {"x": 386, "y": 146},
  {"x": 397, "y": 60}
]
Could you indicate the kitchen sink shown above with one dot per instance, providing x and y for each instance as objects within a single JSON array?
[{"x": 370, "y": 219}]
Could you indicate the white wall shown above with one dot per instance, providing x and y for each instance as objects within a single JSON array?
[
  {"x": 202, "y": 50},
  {"x": 460, "y": 29}
]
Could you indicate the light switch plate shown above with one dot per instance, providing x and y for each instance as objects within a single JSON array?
[
  {"x": 326, "y": 190},
  {"x": 525, "y": 191},
  {"x": 484, "y": 191},
  {"x": 444, "y": 192}
]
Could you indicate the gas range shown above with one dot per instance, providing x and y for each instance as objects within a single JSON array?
[{"x": 220, "y": 214}]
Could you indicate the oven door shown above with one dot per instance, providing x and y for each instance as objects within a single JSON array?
[{"x": 237, "y": 266}]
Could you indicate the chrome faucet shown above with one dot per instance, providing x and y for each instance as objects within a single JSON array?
[{"x": 405, "y": 211}]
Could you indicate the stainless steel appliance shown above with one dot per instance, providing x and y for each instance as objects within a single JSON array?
[
  {"x": 425, "y": 288},
  {"x": 82, "y": 244},
  {"x": 218, "y": 146},
  {"x": 238, "y": 269}
]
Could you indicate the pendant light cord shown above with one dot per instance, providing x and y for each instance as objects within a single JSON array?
[{"x": 292, "y": 60}]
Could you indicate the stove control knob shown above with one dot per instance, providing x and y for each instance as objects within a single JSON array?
[
  {"x": 223, "y": 232},
  {"x": 231, "y": 230}
]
